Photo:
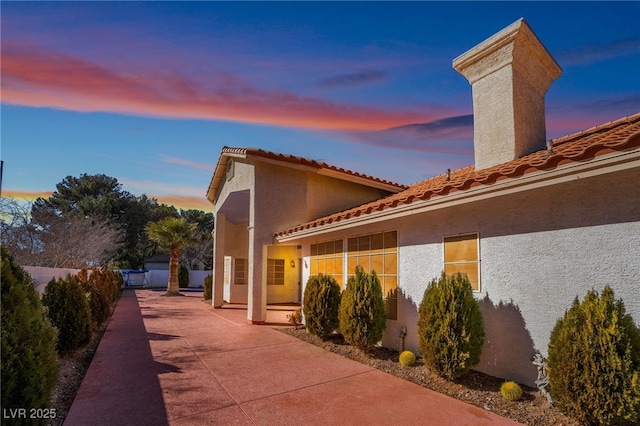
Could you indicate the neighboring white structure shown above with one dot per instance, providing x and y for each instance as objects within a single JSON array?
[{"x": 534, "y": 224}]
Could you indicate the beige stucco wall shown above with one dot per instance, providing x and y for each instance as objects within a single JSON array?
[
  {"x": 539, "y": 249},
  {"x": 290, "y": 291},
  {"x": 278, "y": 197}
]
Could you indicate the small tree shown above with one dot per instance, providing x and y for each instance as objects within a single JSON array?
[
  {"x": 172, "y": 233},
  {"x": 183, "y": 276},
  {"x": 362, "y": 314},
  {"x": 29, "y": 368},
  {"x": 450, "y": 329},
  {"x": 594, "y": 361},
  {"x": 321, "y": 305},
  {"x": 68, "y": 309}
]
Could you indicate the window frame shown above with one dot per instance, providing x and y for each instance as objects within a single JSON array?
[
  {"x": 273, "y": 271},
  {"x": 370, "y": 251},
  {"x": 244, "y": 271},
  {"x": 471, "y": 235}
]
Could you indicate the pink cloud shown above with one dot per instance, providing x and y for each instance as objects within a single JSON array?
[
  {"x": 193, "y": 164},
  {"x": 37, "y": 78}
]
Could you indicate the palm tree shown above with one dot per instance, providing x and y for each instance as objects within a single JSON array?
[{"x": 173, "y": 233}]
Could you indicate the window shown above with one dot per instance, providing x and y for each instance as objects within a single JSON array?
[
  {"x": 240, "y": 272},
  {"x": 230, "y": 170},
  {"x": 327, "y": 258},
  {"x": 461, "y": 254},
  {"x": 275, "y": 271},
  {"x": 379, "y": 253}
]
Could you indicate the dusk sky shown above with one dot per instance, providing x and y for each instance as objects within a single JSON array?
[{"x": 149, "y": 92}]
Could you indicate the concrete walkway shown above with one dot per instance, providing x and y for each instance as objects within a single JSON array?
[{"x": 178, "y": 361}]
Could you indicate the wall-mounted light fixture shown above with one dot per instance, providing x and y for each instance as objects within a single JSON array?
[{"x": 292, "y": 263}]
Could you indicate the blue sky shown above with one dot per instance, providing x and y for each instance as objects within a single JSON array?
[{"x": 150, "y": 92}]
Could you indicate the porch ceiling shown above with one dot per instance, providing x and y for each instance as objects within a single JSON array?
[{"x": 236, "y": 207}]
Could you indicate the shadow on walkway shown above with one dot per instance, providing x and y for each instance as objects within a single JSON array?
[{"x": 122, "y": 381}]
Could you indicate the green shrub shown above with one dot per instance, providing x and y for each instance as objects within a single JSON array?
[
  {"x": 362, "y": 315},
  {"x": 29, "y": 368},
  {"x": 295, "y": 318},
  {"x": 103, "y": 287},
  {"x": 594, "y": 361},
  {"x": 450, "y": 329},
  {"x": 208, "y": 284},
  {"x": 68, "y": 309},
  {"x": 511, "y": 391},
  {"x": 97, "y": 284},
  {"x": 183, "y": 277},
  {"x": 321, "y": 305},
  {"x": 407, "y": 358}
]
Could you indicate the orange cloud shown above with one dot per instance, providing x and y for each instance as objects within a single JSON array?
[
  {"x": 37, "y": 78},
  {"x": 26, "y": 195},
  {"x": 185, "y": 202}
]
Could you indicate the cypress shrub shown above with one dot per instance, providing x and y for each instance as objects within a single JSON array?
[
  {"x": 98, "y": 286},
  {"x": 362, "y": 314},
  {"x": 450, "y": 329},
  {"x": 183, "y": 277},
  {"x": 594, "y": 361},
  {"x": 29, "y": 367},
  {"x": 321, "y": 305},
  {"x": 68, "y": 309},
  {"x": 117, "y": 281},
  {"x": 208, "y": 287}
]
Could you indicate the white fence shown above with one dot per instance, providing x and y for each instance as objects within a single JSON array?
[
  {"x": 43, "y": 275},
  {"x": 154, "y": 278}
]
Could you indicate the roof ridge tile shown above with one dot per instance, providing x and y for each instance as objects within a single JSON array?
[{"x": 618, "y": 135}]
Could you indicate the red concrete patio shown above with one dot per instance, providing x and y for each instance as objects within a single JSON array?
[{"x": 178, "y": 361}]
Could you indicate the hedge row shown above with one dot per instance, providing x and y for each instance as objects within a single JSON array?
[
  {"x": 34, "y": 328},
  {"x": 29, "y": 367},
  {"x": 594, "y": 350}
]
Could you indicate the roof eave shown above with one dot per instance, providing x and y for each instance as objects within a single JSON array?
[
  {"x": 219, "y": 174},
  {"x": 577, "y": 170}
]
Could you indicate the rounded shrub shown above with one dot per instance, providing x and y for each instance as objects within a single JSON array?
[
  {"x": 321, "y": 305},
  {"x": 29, "y": 366},
  {"x": 450, "y": 329},
  {"x": 511, "y": 391},
  {"x": 208, "y": 284},
  {"x": 68, "y": 309},
  {"x": 407, "y": 358},
  {"x": 594, "y": 361},
  {"x": 362, "y": 315}
]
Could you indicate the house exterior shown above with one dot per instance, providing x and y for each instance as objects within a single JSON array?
[
  {"x": 533, "y": 223},
  {"x": 258, "y": 193}
]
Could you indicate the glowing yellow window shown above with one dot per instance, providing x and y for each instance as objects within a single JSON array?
[{"x": 461, "y": 254}]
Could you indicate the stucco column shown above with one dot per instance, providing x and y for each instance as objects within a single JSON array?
[
  {"x": 257, "y": 298},
  {"x": 218, "y": 260}
]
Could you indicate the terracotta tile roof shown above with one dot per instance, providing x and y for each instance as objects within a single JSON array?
[
  {"x": 218, "y": 175},
  {"x": 619, "y": 135},
  {"x": 256, "y": 152}
]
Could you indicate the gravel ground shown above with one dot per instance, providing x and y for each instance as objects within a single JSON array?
[
  {"x": 476, "y": 388},
  {"x": 73, "y": 367}
]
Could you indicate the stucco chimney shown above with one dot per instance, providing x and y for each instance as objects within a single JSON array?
[{"x": 509, "y": 73}]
